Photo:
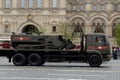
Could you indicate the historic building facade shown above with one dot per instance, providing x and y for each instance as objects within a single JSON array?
[
  {"x": 84, "y": 16},
  {"x": 21, "y": 16}
]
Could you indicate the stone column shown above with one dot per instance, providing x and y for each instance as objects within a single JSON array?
[
  {"x": 46, "y": 3},
  {"x": 111, "y": 39},
  {"x": 1, "y": 26},
  {"x": 14, "y": 25},
  {"x": 1, "y": 1},
  {"x": 14, "y": 3},
  {"x": 87, "y": 28},
  {"x": 108, "y": 29}
]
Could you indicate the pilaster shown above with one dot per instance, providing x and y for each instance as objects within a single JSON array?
[
  {"x": 108, "y": 29},
  {"x": 87, "y": 28},
  {"x": 14, "y": 4},
  {"x": 1, "y": 4}
]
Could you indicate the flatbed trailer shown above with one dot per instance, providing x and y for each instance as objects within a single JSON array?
[{"x": 91, "y": 53}]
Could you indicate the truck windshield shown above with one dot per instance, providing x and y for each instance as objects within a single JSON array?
[{"x": 100, "y": 39}]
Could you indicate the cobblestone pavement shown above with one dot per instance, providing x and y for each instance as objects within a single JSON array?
[{"x": 60, "y": 71}]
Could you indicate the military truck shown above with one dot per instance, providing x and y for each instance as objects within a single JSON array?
[{"x": 35, "y": 50}]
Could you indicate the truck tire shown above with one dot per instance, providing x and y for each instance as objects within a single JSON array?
[
  {"x": 95, "y": 60},
  {"x": 34, "y": 60},
  {"x": 19, "y": 59}
]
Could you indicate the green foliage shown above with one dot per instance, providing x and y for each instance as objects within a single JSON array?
[
  {"x": 31, "y": 29},
  {"x": 34, "y": 30},
  {"x": 117, "y": 34},
  {"x": 65, "y": 29}
]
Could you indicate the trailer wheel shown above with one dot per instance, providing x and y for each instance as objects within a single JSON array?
[
  {"x": 34, "y": 60},
  {"x": 95, "y": 61},
  {"x": 19, "y": 59}
]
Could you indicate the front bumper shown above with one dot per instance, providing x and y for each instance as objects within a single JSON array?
[{"x": 106, "y": 57}]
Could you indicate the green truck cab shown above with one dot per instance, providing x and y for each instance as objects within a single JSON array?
[{"x": 100, "y": 43}]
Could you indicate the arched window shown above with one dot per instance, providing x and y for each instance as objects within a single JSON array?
[
  {"x": 22, "y": 3},
  {"x": 94, "y": 8},
  {"x": 30, "y": 3},
  {"x": 74, "y": 7},
  {"x": 102, "y": 7},
  {"x": 78, "y": 29},
  {"x": 6, "y": 28},
  {"x": 54, "y": 2},
  {"x": 7, "y": 3},
  {"x": 82, "y": 7},
  {"x": 99, "y": 28},
  {"x": 54, "y": 29},
  {"x": 115, "y": 7},
  {"x": 54, "y": 26},
  {"x": 38, "y": 3}
]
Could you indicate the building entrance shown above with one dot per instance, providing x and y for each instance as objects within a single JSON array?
[{"x": 29, "y": 29}]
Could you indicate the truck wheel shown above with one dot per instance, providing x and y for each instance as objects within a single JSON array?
[
  {"x": 34, "y": 60},
  {"x": 19, "y": 59},
  {"x": 95, "y": 61}
]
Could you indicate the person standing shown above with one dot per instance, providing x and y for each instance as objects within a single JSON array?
[{"x": 115, "y": 51}]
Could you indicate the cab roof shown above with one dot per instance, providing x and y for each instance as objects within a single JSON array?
[{"x": 102, "y": 34}]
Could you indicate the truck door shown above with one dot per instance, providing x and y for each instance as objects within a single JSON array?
[
  {"x": 99, "y": 42},
  {"x": 89, "y": 42}
]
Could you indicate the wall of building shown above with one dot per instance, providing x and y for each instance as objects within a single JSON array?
[
  {"x": 104, "y": 14},
  {"x": 15, "y": 17},
  {"x": 85, "y": 14}
]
